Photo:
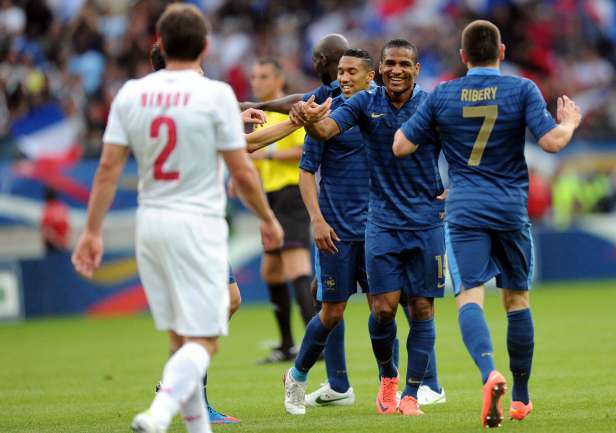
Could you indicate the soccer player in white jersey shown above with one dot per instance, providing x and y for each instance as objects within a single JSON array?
[{"x": 178, "y": 124}]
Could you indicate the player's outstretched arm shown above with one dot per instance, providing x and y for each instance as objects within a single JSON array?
[
  {"x": 324, "y": 234},
  {"x": 248, "y": 185},
  {"x": 265, "y": 136},
  {"x": 568, "y": 116},
  {"x": 280, "y": 105},
  {"x": 402, "y": 146},
  {"x": 316, "y": 118},
  {"x": 89, "y": 250}
]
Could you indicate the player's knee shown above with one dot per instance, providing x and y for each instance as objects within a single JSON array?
[
  {"x": 331, "y": 314},
  {"x": 383, "y": 311},
  {"x": 515, "y": 300},
  {"x": 421, "y": 308}
]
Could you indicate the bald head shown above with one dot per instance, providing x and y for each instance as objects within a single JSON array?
[
  {"x": 326, "y": 55},
  {"x": 481, "y": 41}
]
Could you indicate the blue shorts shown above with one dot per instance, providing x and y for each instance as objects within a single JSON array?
[
  {"x": 477, "y": 255},
  {"x": 231, "y": 276},
  {"x": 339, "y": 274},
  {"x": 407, "y": 260}
]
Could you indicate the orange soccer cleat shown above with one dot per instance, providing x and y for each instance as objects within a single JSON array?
[
  {"x": 519, "y": 410},
  {"x": 386, "y": 402},
  {"x": 493, "y": 391},
  {"x": 409, "y": 407}
]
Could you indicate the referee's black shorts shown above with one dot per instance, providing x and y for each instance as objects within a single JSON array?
[{"x": 289, "y": 208}]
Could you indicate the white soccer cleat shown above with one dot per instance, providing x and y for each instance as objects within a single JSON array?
[
  {"x": 145, "y": 423},
  {"x": 294, "y": 395},
  {"x": 326, "y": 396},
  {"x": 426, "y": 396}
]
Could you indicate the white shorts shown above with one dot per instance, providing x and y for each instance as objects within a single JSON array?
[{"x": 182, "y": 260}]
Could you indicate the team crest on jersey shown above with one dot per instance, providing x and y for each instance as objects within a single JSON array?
[{"x": 330, "y": 284}]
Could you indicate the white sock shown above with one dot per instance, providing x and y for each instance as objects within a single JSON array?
[
  {"x": 182, "y": 376},
  {"x": 194, "y": 413}
]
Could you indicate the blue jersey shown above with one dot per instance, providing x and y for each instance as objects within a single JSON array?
[
  {"x": 343, "y": 198},
  {"x": 482, "y": 119},
  {"x": 402, "y": 190},
  {"x": 323, "y": 92}
]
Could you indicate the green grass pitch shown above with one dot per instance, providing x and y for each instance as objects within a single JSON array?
[{"x": 92, "y": 375}]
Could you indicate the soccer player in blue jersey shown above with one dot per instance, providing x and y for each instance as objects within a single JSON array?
[
  {"x": 325, "y": 57},
  {"x": 404, "y": 238},
  {"x": 482, "y": 119},
  {"x": 338, "y": 216}
]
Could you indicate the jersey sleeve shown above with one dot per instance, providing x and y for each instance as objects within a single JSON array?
[
  {"x": 115, "y": 131},
  {"x": 312, "y": 155},
  {"x": 320, "y": 94},
  {"x": 228, "y": 123},
  {"x": 538, "y": 118},
  {"x": 351, "y": 112},
  {"x": 419, "y": 128}
]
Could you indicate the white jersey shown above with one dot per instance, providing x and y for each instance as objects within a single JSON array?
[{"x": 175, "y": 122}]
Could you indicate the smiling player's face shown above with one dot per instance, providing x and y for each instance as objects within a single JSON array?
[
  {"x": 353, "y": 75},
  {"x": 399, "y": 69}
]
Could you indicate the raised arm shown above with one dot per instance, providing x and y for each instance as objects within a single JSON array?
[
  {"x": 314, "y": 117},
  {"x": 568, "y": 117},
  {"x": 265, "y": 136},
  {"x": 280, "y": 105}
]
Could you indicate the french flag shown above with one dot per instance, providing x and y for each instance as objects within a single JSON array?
[{"x": 46, "y": 132}]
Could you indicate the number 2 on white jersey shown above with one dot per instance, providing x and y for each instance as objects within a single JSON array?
[
  {"x": 489, "y": 114},
  {"x": 159, "y": 173}
]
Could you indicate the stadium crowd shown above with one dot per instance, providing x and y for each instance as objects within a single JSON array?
[{"x": 78, "y": 53}]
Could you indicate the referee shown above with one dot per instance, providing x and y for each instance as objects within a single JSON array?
[{"x": 278, "y": 167}]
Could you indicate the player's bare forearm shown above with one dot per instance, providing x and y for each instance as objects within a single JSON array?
[
  {"x": 569, "y": 117},
  {"x": 322, "y": 130},
  {"x": 402, "y": 146},
  {"x": 265, "y": 136},
  {"x": 105, "y": 184},
  {"x": 280, "y": 105},
  {"x": 292, "y": 154},
  {"x": 308, "y": 189}
]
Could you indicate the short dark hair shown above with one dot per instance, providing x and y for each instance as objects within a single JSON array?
[
  {"x": 271, "y": 61},
  {"x": 400, "y": 43},
  {"x": 183, "y": 31},
  {"x": 156, "y": 57},
  {"x": 362, "y": 55},
  {"x": 481, "y": 41}
]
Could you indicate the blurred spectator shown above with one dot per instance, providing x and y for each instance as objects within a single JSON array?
[
  {"x": 76, "y": 54},
  {"x": 55, "y": 223}
]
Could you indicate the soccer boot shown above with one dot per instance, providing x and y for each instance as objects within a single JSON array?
[
  {"x": 519, "y": 410},
  {"x": 386, "y": 401},
  {"x": 326, "y": 396},
  {"x": 145, "y": 423},
  {"x": 409, "y": 406},
  {"x": 294, "y": 395},
  {"x": 426, "y": 396},
  {"x": 493, "y": 391},
  {"x": 220, "y": 418},
  {"x": 279, "y": 354}
]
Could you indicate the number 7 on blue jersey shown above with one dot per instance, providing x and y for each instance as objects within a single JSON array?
[{"x": 489, "y": 114}]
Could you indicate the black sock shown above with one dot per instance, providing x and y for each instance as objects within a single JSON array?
[
  {"x": 303, "y": 297},
  {"x": 281, "y": 301}
]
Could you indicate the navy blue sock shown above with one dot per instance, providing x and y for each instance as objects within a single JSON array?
[
  {"x": 477, "y": 339},
  {"x": 419, "y": 344},
  {"x": 382, "y": 336},
  {"x": 396, "y": 353},
  {"x": 312, "y": 345},
  {"x": 431, "y": 377},
  {"x": 335, "y": 360},
  {"x": 520, "y": 344}
]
